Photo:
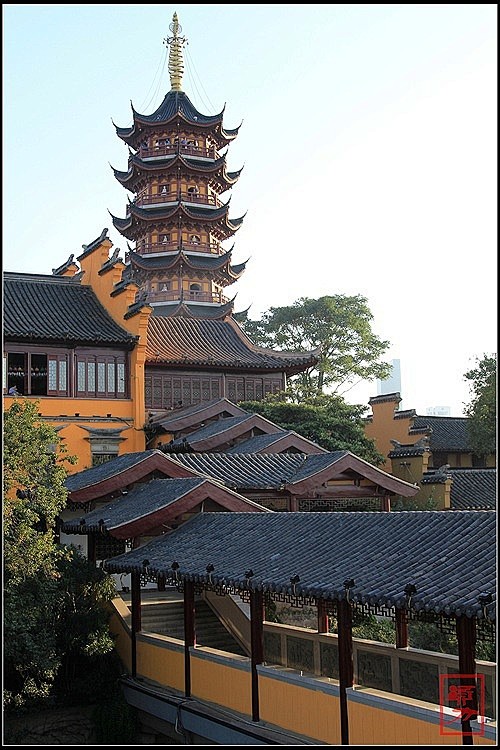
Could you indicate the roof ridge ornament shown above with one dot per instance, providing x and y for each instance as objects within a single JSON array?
[{"x": 175, "y": 58}]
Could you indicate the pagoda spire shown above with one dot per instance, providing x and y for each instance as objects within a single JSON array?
[{"x": 175, "y": 57}]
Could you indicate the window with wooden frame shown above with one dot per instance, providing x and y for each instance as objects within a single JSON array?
[
  {"x": 101, "y": 375},
  {"x": 37, "y": 373}
]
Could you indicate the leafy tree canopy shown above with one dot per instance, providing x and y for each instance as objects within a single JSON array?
[
  {"x": 325, "y": 419},
  {"x": 53, "y": 613},
  {"x": 481, "y": 409},
  {"x": 339, "y": 326}
]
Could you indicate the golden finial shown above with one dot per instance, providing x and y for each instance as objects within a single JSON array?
[{"x": 175, "y": 59}]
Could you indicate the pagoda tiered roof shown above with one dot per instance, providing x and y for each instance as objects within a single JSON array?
[
  {"x": 183, "y": 309},
  {"x": 176, "y": 107},
  {"x": 216, "y": 216},
  {"x": 218, "y": 266},
  {"x": 215, "y": 343},
  {"x": 216, "y": 168}
]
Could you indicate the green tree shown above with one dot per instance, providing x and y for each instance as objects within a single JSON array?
[
  {"x": 481, "y": 409},
  {"x": 339, "y": 327},
  {"x": 53, "y": 614},
  {"x": 325, "y": 419}
]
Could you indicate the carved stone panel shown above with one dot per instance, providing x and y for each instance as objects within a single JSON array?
[
  {"x": 374, "y": 670},
  {"x": 419, "y": 680},
  {"x": 300, "y": 654},
  {"x": 272, "y": 648},
  {"x": 329, "y": 655}
]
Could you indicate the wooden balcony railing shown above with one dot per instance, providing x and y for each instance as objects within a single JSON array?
[
  {"x": 174, "y": 148},
  {"x": 171, "y": 197},
  {"x": 163, "y": 247},
  {"x": 187, "y": 296}
]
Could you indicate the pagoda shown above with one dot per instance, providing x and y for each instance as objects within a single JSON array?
[
  {"x": 178, "y": 222},
  {"x": 177, "y": 219}
]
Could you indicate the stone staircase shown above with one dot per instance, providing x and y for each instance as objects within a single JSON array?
[{"x": 163, "y": 613}]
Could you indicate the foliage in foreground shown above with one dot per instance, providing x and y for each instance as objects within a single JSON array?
[
  {"x": 55, "y": 624},
  {"x": 481, "y": 409},
  {"x": 326, "y": 420}
]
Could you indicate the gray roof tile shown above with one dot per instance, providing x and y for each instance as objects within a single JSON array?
[
  {"x": 447, "y": 433},
  {"x": 473, "y": 489},
  {"x": 449, "y": 557},
  {"x": 58, "y": 309},
  {"x": 142, "y": 501},
  {"x": 95, "y": 474}
]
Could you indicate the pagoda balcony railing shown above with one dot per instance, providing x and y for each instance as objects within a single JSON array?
[
  {"x": 163, "y": 198},
  {"x": 187, "y": 296},
  {"x": 175, "y": 148},
  {"x": 163, "y": 247}
]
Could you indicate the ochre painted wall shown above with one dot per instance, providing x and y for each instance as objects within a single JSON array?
[
  {"x": 61, "y": 414},
  {"x": 308, "y": 712},
  {"x": 373, "y": 726},
  {"x": 383, "y": 428},
  {"x": 221, "y": 684},
  {"x": 162, "y": 665}
]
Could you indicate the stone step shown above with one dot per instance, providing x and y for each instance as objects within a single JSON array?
[{"x": 167, "y": 618}]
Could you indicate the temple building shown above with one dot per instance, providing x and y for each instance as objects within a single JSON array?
[
  {"x": 178, "y": 221},
  {"x": 123, "y": 340}
]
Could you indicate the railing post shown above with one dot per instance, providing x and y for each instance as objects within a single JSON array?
[
  {"x": 136, "y": 616},
  {"x": 189, "y": 633},
  {"x": 345, "y": 664},
  {"x": 401, "y": 628},
  {"x": 257, "y": 645},
  {"x": 466, "y": 637},
  {"x": 322, "y": 617}
]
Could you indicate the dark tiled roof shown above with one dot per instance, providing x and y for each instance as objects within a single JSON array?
[
  {"x": 449, "y": 557},
  {"x": 244, "y": 471},
  {"x": 176, "y": 419},
  {"x": 473, "y": 489},
  {"x": 87, "y": 249},
  {"x": 448, "y": 433},
  {"x": 217, "y": 427},
  {"x": 217, "y": 216},
  {"x": 396, "y": 397},
  {"x": 96, "y": 474},
  {"x": 144, "y": 500},
  {"x": 177, "y": 102},
  {"x": 187, "y": 309},
  {"x": 405, "y": 414},
  {"x": 298, "y": 471},
  {"x": 317, "y": 462},
  {"x": 215, "y": 343},
  {"x": 164, "y": 262},
  {"x": 57, "y": 309},
  {"x": 261, "y": 442}
]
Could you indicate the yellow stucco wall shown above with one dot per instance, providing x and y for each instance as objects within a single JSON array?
[
  {"x": 161, "y": 664},
  {"x": 72, "y": 415},
  {"x": 301, "y": 710},
  {"x": 383, "y": 428},
  {"x": 221, "y": 684},
  {"x": 374, "y": 726},
  {"x": 61, "y": 414}
]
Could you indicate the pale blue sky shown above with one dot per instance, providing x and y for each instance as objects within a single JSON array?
[{"x": 368, "y": 143}]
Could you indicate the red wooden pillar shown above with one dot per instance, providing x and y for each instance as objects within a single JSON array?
[
  {"x": 346, "y": 669},
  {"x": 401, "y": 628},
  {"x": 136, "y": 616},
  {"x": 189, "y": 633},
  {"x": 323, "y": 625},
  {"x": 257, "y": 645},
  {"x": 466, "y": 636}
]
